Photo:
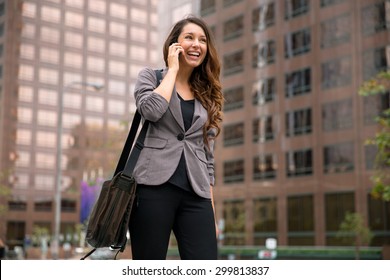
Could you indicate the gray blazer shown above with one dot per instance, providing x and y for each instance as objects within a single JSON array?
[{"x": 167, "y": 139}]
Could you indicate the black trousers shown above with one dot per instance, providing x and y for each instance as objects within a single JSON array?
[{"x": 160, "y": 209}]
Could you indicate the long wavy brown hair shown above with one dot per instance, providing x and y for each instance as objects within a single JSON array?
[{"x": 204, "y": 80}]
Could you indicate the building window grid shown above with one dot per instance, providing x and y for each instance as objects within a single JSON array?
[
  {"x": 233, "y": 171},
  {"x": 375, "y": 60},
  {"x": 265, "y": 167},
  {"x": 298, "y": 82},
  {"x": 339, "y": 158},
  {"x": 297, "y": 43},
  {"x": 233, "y": 28},
  {"x": 299, "y": 163},
  {"x": 263, "y": 129},
  {"x": 234, "y": 98},
  {"x": 326, "y": 3},
  {"x": 374, "y": 105},
  {"x": 207, "y": 7},
  {"x": 263, "y": 54},
  {"x": 337, "y": 115},
  {"x": 294, "y": 8},
  {"x": 336, "y": 31},
  {"x": 298, "y": 122},
  {"x": 233, "y": 63},
  {"x": 264, "y": 91},
  {"x": 263, "y": 17},
  {"x": 233, "y": 134},
  {"x": 374, "y": 18},
  {"x": 336, "y": 73}
]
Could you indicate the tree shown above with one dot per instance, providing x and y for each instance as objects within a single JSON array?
[
  {"x": 353, "y": 227},
  {"x": 376, "y": 86}
]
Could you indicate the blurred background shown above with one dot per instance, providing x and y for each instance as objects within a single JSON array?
[{"x": 303, "y": 160}]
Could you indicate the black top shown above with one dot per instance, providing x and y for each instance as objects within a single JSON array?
[{"x": 180, "y": 178}]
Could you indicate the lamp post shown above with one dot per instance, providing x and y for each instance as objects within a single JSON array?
[{"x": 57, "y": 199}]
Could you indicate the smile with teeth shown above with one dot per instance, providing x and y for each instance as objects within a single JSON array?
[{"x": 194, "y": 54}]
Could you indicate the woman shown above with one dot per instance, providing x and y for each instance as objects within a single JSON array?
[{"x": 175, "y": 170}]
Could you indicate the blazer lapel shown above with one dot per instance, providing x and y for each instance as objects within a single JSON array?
[
  {"x": 175, "y": 109},
  {"x": 199, "y": 119}
]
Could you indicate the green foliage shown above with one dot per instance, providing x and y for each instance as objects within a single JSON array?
[
  {"x": 380, "y": 84},
  {"x": 352, "y": 229}
]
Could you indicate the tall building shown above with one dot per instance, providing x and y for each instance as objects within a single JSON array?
[
  {"x": 81, "y": 58},
  {"x": 291, "y": 160}
]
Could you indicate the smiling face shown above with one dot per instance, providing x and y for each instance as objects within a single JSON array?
[{"x": 194, "y": 43}]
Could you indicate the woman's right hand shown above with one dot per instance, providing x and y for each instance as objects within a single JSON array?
[{"x": 173, "y": 56}]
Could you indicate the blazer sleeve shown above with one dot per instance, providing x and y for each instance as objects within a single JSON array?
[
  {"x": 150, "y": 104},
  {"x": 210, "y": 155}
]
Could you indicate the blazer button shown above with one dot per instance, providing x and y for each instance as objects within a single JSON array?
[{"x": 180, "y": 136}]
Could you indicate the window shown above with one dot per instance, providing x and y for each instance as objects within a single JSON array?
[
  {"x": 300, "y": 212},
  {"x": 43, "y": 205},
  {"x": 119, "y": 49},
  {"x": 68, "y": 205},
  {"x": 23, "y": 137},
  {"x": 299, "y": 163},
  {"x": 28, "y": 30},
  {"x": 47, "y": 97},
  {"x": 325, "y": 3},
  {"x": 336, "y": 206},
  {"x": 27, "y": 51},
  {"x": 96, "y": 24},
  {"x": 74, "y": 60},
  {"x": 120, "y": 11},
  {"x": 298, "y": 122},
  {"x": 298, "y": 82},
  {"x": 264, "y": 167},
  {"x": 234, "y": 98},
  {"x": 46, "y": 161},
  {"x": 24, "y": 115},
  {"x": 233, "y": 63},
  {"x": 73, "y": 39},
  {"x": 263, "y": 54},
  {"x": 263, "y": 17},
  {"x": 339, "y": 158},
  {"x": 227, "y": 3},
  {"x": 97, "y": 6},
  {"x": 263, "y": 129},
  {"x": 138, "y": 34},
  {"x": 118, "y": 29},
  {"x": 264, "y": 91},
  {"x": 116, "y": 107},
  {"x": 71, "y": 120},
  {"x": 29, "y": 9},
  {"x": 264, "y": 219},
  {"x": 72, "y": 100},
  {"x": 294, "y": 8},
  {"x": 47, "y": 118},
  {"x": 336, "y": 73},
  {"x": 233, "y": 171},
  {"x": 379, "y": 220},
  {"x": 207, "y": 7},
  {"x": 48, "y": 76},
  {"x": 96, "y": 44},
  {"x": 46, "y": 139},
  {"x": 234, "y": 216},
  {"x": 44, "y": 182},
  {"x": 138, "y": 52},
  {"x": 233, "y": 134},
  {"x": 17, "y": 205},
  {"x": 26, "y": 72},
  {"x": 297, "y": 43},
  {"x": 336, "y": 31},
  {"x": 337, "y": 115},
  {"x": 50, "y": 14},
  {"x": 117, "y": 87},
  {"x": 233, "y": 28},
  {"x": 96, "y": 64},
  {"x": 26, "y": 94},
  {"x": 375, "y": 105},
  {"x": 75, "y": 20},
  {"x": 49, "y": 55},
  {"x": 370, "y": 152},
  {"x": 95, "y": 104},
  {"x": 374, "y": 18},
  {"x": 117, "y": 68},
  {"x": 139, "y": 15},
  {"x": 23, "y": 159},
  {"x": 375, "y": 61}
]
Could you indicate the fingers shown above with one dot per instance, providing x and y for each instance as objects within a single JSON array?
[{"x": 175, "y": 48}]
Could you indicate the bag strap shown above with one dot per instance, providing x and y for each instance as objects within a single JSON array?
[{"x": 127, "y": 163}]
